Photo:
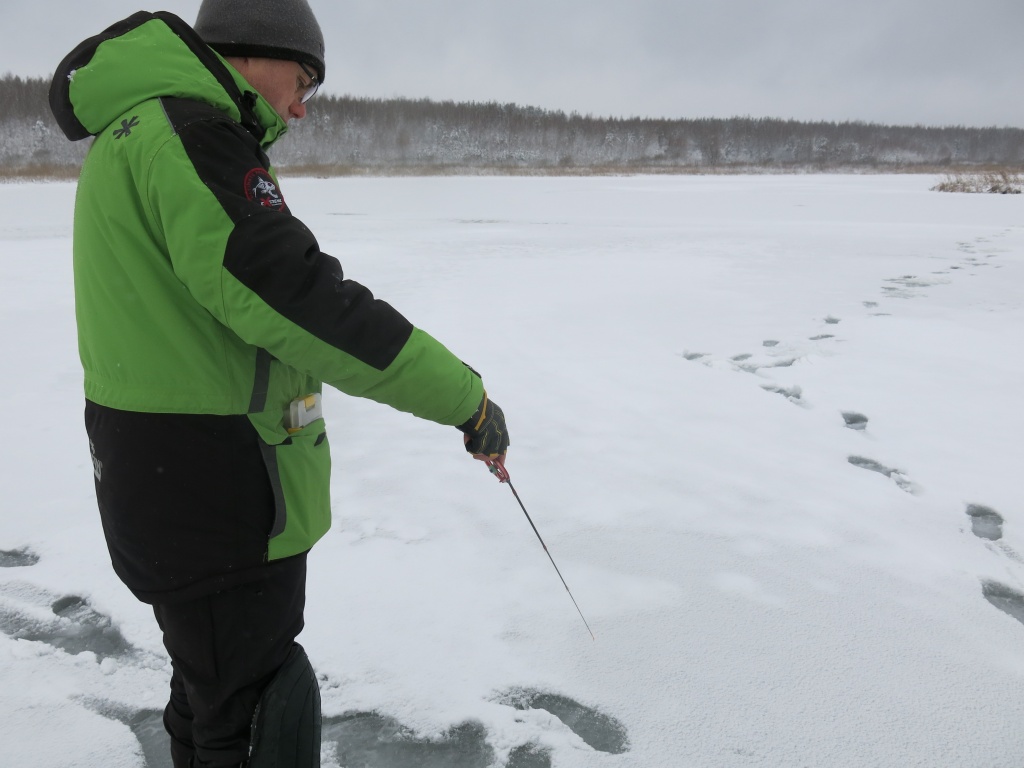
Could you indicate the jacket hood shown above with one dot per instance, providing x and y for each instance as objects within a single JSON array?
[{"x": 147, "y": 56}]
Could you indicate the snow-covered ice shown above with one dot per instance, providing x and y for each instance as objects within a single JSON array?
[{"x": 768, "y": 426}]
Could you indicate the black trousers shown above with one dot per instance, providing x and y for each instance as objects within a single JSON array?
[{"x": 225, "y": 647}]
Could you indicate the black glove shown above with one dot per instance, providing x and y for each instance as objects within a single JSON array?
[{"x": 486, "y": 431}]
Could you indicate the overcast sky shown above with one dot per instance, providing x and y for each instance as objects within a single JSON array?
[{"x": 932, "y": 62}]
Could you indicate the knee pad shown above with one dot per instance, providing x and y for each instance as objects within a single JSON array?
[{"x": 286, "y": 726}]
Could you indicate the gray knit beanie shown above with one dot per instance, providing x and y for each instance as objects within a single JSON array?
[{"x": 272, "y": 29}]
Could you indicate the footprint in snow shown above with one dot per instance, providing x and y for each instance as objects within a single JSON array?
[
  {"x": 986, "y": 523},
  {"x": 874, "y": 305},
  {"x": 909, "y": 286},
  {"x": 17, "y": 558},
  {"x": 1006, "y": 599},
  {"x": 854, "y": 420},
  {"x": 896, "y": 475},
  {"x": 794, "y": 394},
  {"x": 748, "y": 363},
  {"x": 601, "y": 732},
  {"x": 67, "y": 622}
]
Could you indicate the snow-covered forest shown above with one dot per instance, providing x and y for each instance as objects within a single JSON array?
[{"x": 354, "y": 135}]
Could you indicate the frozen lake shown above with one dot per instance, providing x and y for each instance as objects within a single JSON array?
[{"x": 768, "y": 426}]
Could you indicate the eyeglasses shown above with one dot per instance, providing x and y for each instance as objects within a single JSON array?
[{"x": 308, "y": 91}]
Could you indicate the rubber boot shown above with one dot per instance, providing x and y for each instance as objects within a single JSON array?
[{"x": 286, "y": 727}]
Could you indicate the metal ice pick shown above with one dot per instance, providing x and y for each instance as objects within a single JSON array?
[{"x": 501, "y": 473}]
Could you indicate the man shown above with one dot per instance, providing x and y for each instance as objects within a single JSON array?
[{"x": 208, "y": 318}]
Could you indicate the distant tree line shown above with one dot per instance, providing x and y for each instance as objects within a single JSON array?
[
  {"x": 382, "y": 134},
  {"x": 30, "y": 141},
  {"x": 359, "y": 135}
]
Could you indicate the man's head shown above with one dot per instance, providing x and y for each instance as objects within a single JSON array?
[{"x": 277, "y": 46}]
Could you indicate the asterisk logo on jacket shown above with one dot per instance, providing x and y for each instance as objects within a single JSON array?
[{"x": 126, "y": 127}]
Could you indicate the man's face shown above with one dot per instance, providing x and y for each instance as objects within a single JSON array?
[{"x": 284, "y": 84}]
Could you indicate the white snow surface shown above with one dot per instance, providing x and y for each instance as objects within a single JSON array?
[{"x": 757, "y": 599}]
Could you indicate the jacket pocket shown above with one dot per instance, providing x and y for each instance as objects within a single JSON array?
[{"x": 299, "y": 466}]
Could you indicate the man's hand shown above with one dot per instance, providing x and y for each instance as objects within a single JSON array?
[{"x": 486, "y": 437}]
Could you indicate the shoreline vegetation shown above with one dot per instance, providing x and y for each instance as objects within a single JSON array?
[{"x": 347, "y": 136}]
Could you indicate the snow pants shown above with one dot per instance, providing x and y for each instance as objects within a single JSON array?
[
  {"x": 225, "y": 648},
  {"x": 187, "y": 506}
]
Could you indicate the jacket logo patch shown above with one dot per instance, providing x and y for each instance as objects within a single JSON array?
[
  {"x": 260, "y": 188},
  {"x": 126, "y": 127}
]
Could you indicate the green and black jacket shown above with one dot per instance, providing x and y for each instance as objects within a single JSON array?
[{"x": 199, "y": 294}]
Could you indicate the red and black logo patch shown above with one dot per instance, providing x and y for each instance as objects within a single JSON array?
[{"x": 261, "y": 188}]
